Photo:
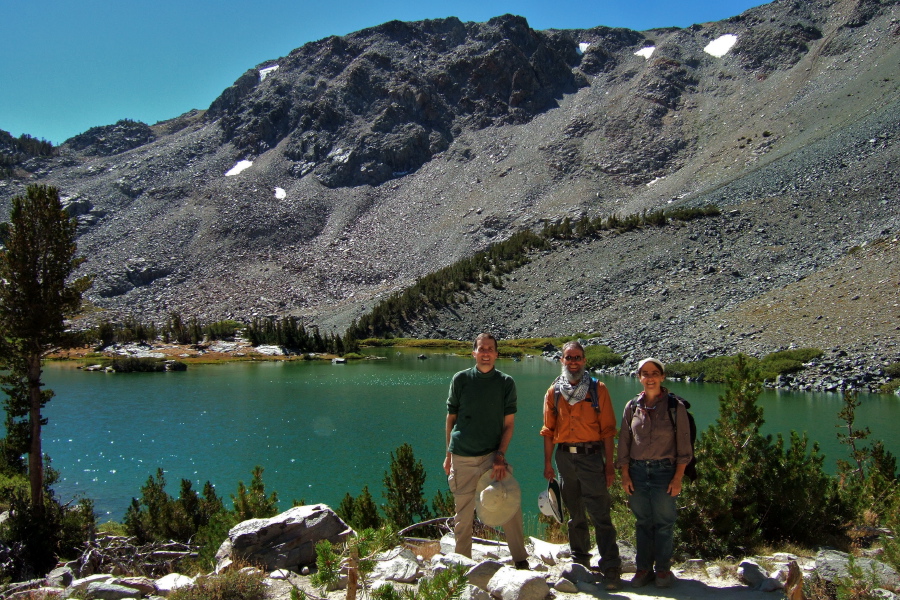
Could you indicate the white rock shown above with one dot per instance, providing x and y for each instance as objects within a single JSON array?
[{"x": 166, "y": 585}]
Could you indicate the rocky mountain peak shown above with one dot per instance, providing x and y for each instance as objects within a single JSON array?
[{"x": 322, "y": 182}]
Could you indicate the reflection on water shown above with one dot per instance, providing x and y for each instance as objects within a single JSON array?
[{"x": 321, "y": 430}]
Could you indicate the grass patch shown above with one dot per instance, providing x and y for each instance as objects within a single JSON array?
[
  {"x": 598, "y": 357},
  {"x": 112, "y": 528},
  {"x": 130, "y": 364},
  {"x": 770, "y": 366},
  {"x": 413, "y": 343},
  {"x": 243, "y": 584}
]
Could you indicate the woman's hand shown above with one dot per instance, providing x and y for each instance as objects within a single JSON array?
[{"x": 674, "y": 486}]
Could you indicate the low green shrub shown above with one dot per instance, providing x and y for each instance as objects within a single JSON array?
[
  {"x": 890, "y": 387},
  {"x": 893, "y": 370},
  {"x": 444, "y": 585},
  {"x": 598, "y": 357},
  {"x": 769, "y": 367}
]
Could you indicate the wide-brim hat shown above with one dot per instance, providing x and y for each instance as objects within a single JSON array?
[
  {"x": 497, "y": 501},
  {"x": 555, "y": 502}
]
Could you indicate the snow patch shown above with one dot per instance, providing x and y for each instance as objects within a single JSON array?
[
  {"x": 280, "y": 194},
  {"x": 263, "y": 73},
  {"x": 646, "y": 51},
  {"x": 720, "y": 46},
  {"x": 242, "y": 165},
  {"x": 583, "y": 47}
]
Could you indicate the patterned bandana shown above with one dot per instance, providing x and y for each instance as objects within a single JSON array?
[{"x": 574, "y": 393}]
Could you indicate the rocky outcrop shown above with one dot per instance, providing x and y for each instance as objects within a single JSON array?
[
  {"x": 108, "y": 140},
  {"x": 380, "y": 103},
  {"x": 834, "y": 566},
  {"x": 285, "y": 541},
  {"x": 492, "y": 575}
]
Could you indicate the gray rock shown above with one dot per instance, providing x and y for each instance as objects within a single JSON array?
[
  {"x": 547, "y": 552},
  {"x": 39, "y": 592},
  {"x": 565, "y": 586},
  {"x": 481, "y": 574},
  {"x": 453, "y": 559},
  {"x": 60, "y": 577},
  {"x": 400, "y": 568},
  {"x": 510, "y": 584},
  {"x": 144, "y": 585},
  {"x": 576, "y": 572},
  {"x": 751, "y": 573},
  {"x": 832, "y": 565},
  {"x": 471, "y": 592},
  {"x": 286, "y": 540},
  {"x": 82, "y": 584},
  {"x": 106, "y": 590}
]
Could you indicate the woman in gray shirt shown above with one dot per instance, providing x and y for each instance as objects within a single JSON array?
[{"x": 653, "y": 453}]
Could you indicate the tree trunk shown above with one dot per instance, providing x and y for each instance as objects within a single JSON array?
[{"x": 35, "y": 454}]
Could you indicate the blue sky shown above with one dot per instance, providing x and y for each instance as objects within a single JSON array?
[{"x": 70, "y": 65}]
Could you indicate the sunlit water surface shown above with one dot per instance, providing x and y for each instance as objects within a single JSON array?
[{"x": 321, "y": 430}]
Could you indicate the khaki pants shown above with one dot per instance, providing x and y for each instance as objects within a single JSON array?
[{"x": 464, "y": 474}]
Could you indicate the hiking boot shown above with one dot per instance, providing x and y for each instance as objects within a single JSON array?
[
  {"x": 664, "y": 579},
  {"x": 641, "y": 578},
  {"x": 522, "y": 565},
  {"x": 612, "y": 579}
]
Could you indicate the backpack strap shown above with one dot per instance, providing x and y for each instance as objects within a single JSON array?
[
  {"x": 673, "y": 409},
  {"x": 625, "y": 416},
  {"x": 592, "y": 392}
]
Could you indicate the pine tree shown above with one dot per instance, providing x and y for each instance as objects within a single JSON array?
[
  {"x": 751, "y": 488},
  {"x": 253, "y": 503},
  {"x": 403, "y": 489},
  {"x": 35, "y": 297}
]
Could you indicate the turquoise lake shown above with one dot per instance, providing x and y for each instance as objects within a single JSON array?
[{"x": 321, "y": 430}]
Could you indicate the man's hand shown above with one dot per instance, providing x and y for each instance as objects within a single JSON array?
[
  {"x": 447, "y": 465},
  {"x": 499, "y": 468},
  {"x": 549, "y": 473},
  {"x": 610, "y": 475}
]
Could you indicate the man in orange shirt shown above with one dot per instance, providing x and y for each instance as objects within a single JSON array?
[{"x": 579, "y": 422}]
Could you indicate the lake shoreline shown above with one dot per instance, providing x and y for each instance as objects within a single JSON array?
[{"x": 835, "y": 371}]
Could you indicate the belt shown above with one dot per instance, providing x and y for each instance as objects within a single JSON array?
[{"x": 580, "y": 448}]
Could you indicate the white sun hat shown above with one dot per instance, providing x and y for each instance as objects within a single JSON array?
[
  {"x": 549, "y": 503},
  {"x": 497, "y": 501}
]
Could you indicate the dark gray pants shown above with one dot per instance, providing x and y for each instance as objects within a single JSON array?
[{"x": 583, "y": 488}]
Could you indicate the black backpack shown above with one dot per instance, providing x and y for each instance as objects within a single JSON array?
[{"x": 690, "y": 471}]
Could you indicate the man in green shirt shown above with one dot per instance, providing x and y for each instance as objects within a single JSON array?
[{"x": 481, "y": 411}]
